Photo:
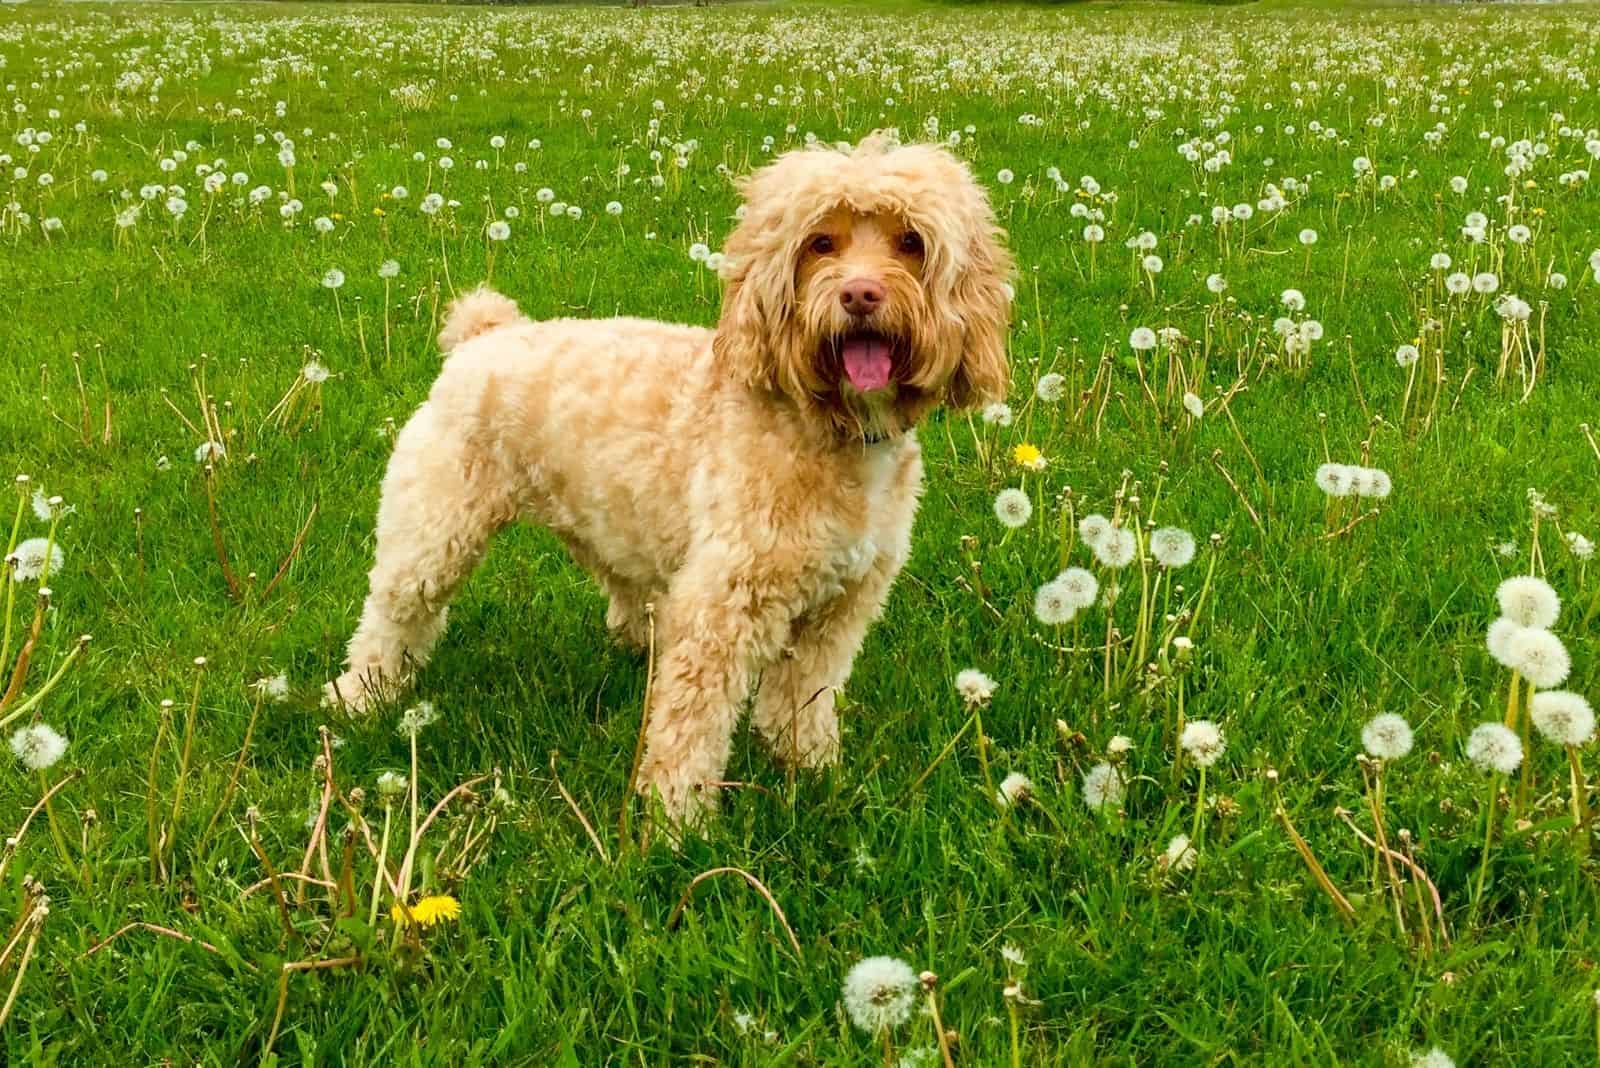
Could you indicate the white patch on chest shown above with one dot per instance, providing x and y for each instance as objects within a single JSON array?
[{"x": 852, "y": 557}]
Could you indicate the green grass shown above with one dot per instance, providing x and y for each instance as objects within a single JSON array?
[{"x": 560, "y": 958}]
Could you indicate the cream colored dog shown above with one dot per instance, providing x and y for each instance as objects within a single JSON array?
[{"x": 756, "y": 484}]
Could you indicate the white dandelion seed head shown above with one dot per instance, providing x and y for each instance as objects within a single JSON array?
[
  {"x": 1102, "y": 788},
  {"x": 273, "y": 687},
  {"x": 1406, "y": 355},
  {"x": 1153, "y": 264},
  {"x": 1458, "y": 283},
  {"x": 1336, "y": 480},
  {"x": 974, "y": 686},
  {"x": 1538, "y": 656},
  {"x": 1013, "y": 955},
  {"x": 1529, "y": 601},
  {"x": 388, "y": 268},
  {"x": 1435, "y": 1057},
  {"x": 1494, "y": 747},
  {"x": 1203, "y": 741},
  {"x": 1079, "y": 585},
  {"x": 997, "y": 414},
  {"x": 1293, "y": 299},
  {"x": 1194, "y": 405},
  {"x": 1563, "y": 717},
  {"x": 1143, "y": 339},
  {"x": 1498, "y": 639},
  {"x": 1308, "y": 236},
  {"x": 38, "y": 746},
  {"x": 1179, "y": 854},
  {"x": 1050, "y": 387},
  {"x": 391, "y": 784},
  {"x": 879, "y": 993},
  {"x": 1580, "y": 546},
  {"x": 414, "y": 719},
  {"x": 1485, "y": 282},
  {"x": 1440, "y": 261},
  {"x": 1386, "y": 737},
  {"x": 499, "y": 230},
  {"x": 1012, "y": 507},
  {"x": 1117, "y": 548},
  {"x": 1014, "y": 789},
  {"x": 27, "y": 560},
  {"x": 333, "y": 279},
  {"x": 1370, "y": 482},
  {"x": 1093, "y": 528},
  {"x": 314, "y": 372},
  {"x": 1053, "y": 605},
  {"x": 1172, "y": 547}
]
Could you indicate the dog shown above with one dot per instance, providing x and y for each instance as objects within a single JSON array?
[{"x": 745, "y": 495}]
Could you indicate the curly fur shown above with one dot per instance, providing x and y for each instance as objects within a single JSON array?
[{"x": 722, "y": 480}]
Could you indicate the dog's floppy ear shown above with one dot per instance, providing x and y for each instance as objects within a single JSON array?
[
  {"x": 743, "y": 345},
  {"x": 759, "y": 270},
  {"x": 982, "y": 299}
]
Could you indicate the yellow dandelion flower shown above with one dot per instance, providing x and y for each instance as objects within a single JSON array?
[
  {"x": 429, "y": 911},
  {"x": 378, "y": 211},
  {"x": 1026, "y": 455}
]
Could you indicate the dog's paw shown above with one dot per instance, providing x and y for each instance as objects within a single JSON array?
[
  {"x": 353, "y": 692},
  {"x": 678, "y": 810},
  {"x": 627, "y": 627}
]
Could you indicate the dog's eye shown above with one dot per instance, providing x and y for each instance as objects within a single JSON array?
[
  {"x": 822, "y": 244},
  {"x": 911, "y": 243}
]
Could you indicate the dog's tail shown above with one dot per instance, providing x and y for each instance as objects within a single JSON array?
[{"x": 474, "y": 313}]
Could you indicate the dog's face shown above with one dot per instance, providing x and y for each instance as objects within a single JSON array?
[{"x": 867, "y": 287}]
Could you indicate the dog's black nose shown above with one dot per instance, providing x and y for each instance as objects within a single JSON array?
[{"x": 861, "y": 296}]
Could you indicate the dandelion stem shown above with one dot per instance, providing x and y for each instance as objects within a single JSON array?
[
  {"x": 1525, "y": 781},
  {"x": 44, "y": 691},
  {"x": 1016, "y": 1032},
  {"x": 1580, "y": 799},
  {"x": 948, "y": 747},
  {"x": 1199, "y": 812},
  {"x": 983, "y": 758},
  {"x": 1320, "y": 874},
  {"x": 11, "y": 587},
  {"x": 36, "y": 919},
  {"x": 183, "y": 760},
  {"x": 1488, "y": 840},
  {"x": 233, "y": 778},
  {"x": 383, "y": 856},
  {"x": 1375, "y": 800},
  {"x": 55, "y": 825}
]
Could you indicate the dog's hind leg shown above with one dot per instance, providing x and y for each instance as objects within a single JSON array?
[{"x": 443, "y": 499}]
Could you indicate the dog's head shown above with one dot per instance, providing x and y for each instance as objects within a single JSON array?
[{"x": 867, "y": 287}]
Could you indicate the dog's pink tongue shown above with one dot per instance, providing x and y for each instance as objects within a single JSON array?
[{"x": 866, "y": 361}]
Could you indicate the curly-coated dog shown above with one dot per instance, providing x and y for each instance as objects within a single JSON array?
[{"x": 755, "y": 483}]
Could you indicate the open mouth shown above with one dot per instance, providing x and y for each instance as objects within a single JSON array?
[{"x": 868, "y": 359}]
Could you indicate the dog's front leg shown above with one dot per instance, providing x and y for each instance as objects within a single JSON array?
[
  {"x": 794, "y": 710},
  {"x": 719, "y": 628}
]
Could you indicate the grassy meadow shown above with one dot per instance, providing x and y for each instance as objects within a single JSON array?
[{"x": 1252, "y": 242}]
